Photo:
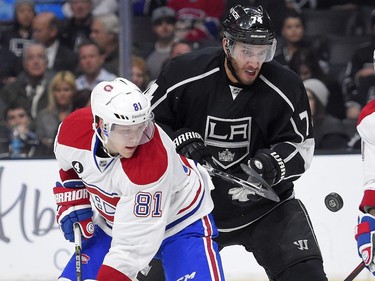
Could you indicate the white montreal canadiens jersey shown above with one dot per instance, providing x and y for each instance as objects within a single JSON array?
[
  {"x": 366, "y": 129},
  {"x": 140, "y": 200}
]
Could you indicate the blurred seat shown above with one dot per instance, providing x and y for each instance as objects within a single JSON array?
[
  {"x": 340, "y": 51},
  {"x": 366, "y": 90},
  {"x": 364, "y": 19},
  {"x": 331, "y": 21},
  {"x": 341, "y": 48},
  {"x": 142, "y": 31}
]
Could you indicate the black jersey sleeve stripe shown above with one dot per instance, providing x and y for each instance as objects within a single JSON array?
[
  {"x": 179, "y": 84},
  {"x": 277, "y": 90}
]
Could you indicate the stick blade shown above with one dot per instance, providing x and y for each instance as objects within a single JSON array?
[{"x": 256, "y": 188}]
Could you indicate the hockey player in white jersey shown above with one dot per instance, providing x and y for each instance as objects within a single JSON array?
[
  {"x": 365, "y": 230},
  {"x": 149, "y": 200}
]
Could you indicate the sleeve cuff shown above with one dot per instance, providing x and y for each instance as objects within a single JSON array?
[
  {"x": 109, "y": 273},
  {"x": 367, "y": 200}
]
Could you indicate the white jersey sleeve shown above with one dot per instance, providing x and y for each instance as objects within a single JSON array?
[{"x": 366, "y": 129}]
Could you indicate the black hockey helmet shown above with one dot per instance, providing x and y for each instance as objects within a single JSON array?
[{"x": 251, "y": 25}]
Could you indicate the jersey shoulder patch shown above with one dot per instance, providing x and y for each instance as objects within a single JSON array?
[
  {"x": 149, "y": 163},
  {"x": 76, "y": 129}
]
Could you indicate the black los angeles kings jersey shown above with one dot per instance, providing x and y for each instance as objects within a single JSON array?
[{"x": 193, "y": 92}]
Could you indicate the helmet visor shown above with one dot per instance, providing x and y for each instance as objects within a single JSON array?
[
  {"x": 131, "y": 135},
  {"x": 243, "y": 52}
]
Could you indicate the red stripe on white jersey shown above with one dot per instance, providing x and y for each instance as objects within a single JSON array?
[
  {"x": 104, "y": 203},
  {"x": 196, "y": 197},
  {"x": 209, "y": 248}
]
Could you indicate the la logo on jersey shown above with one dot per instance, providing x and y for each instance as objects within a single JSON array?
[{"x": 228, "y": 139}]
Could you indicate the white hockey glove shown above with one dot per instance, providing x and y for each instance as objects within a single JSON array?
[
  {"x": 242, "y": 196},
  {"x": 365, "y": 235}
]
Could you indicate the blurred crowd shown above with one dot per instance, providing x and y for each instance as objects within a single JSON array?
[{"x": 50, "y": 61}]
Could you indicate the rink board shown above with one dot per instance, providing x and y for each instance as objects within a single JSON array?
[{"x": 32, "y": 248}]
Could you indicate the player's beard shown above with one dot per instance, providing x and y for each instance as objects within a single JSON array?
[{"x": 234, "y": 69}]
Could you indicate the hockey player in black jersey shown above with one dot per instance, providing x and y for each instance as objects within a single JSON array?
[{"x": 235, "y": 105}]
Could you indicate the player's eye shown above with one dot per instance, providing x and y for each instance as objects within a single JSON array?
[{"x": 247, "y": 53}]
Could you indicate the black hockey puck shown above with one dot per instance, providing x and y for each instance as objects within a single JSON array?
[{"x": 333, "y": 202}]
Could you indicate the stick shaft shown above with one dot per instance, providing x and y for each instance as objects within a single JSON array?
[
  {"x": 78, "y": 248},
  {"x": 355, "y": 272}
]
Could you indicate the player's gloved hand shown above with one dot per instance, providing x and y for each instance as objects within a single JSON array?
[
  {"x": 242, "y": 196},
  {"x": 269, "y": 165},
  {"x": 73, "y": 206},
  {"x": 107, "y": 273},
  {"x": 365, "y": 233},
  {"x": 191, "y": 145}
]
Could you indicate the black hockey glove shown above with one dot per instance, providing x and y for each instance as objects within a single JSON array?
[
  {"x": 191, "y": 145},
  {"x": 269, "y": 165}
]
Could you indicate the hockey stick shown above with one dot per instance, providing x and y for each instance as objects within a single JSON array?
[
  {"x": 355, "y": 272},
  {"x": 254, "y": 175},
  {"x": 256, "y": 188},
  {"x": 78, "y": 248}
]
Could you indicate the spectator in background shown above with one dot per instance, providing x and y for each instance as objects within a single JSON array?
[
  {"x": 306, "y": 64},
  {"x": 61, "y": 92},
  {"x": 10, "y": 66},
  {"x": 17, "y": 139},
  {"x": 194, "y": 26},
  {"x": 359, "y": 82},
  {"x": 77, "y": 28},
  {"x": 31, "y": 86},
  {"x": 292, "y": 37},
  {"x": 82, "y": 99},
  {"x": 139, "y": 73},
  {"x": 211, "y": 8},
  {"x": 178, "y": 48},
  {"x": 329, "y": 131},
  {"x": 91, "y": 62},
  {"x": 19, "y": 35},
  {"x": 99, "y": 7},
  {"x": 163, "y": 25},
  {"x": 105, "y": 33},
  {"x": 45, "y": 32}
]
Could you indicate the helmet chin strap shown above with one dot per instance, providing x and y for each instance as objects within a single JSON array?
[
  {"x": 103, "y": 141},
  {"x": 106, "y": 150}
]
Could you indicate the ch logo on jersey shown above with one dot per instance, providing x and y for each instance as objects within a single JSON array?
[
  {"x": 85, "y": 259},
  {"x": 228, "y": 139},
  {"x": 77, "y": 166}
]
